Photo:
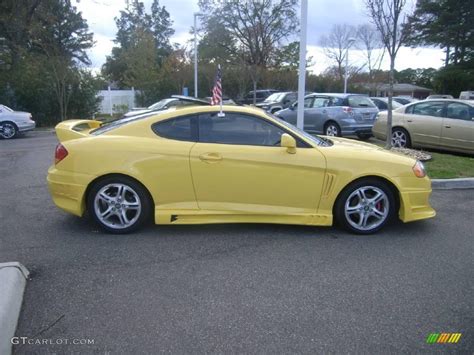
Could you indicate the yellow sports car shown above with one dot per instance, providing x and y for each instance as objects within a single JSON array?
[{"x": 195, "y": 165}]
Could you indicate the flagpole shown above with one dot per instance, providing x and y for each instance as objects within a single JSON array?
[{"x": 221, "y": 114}]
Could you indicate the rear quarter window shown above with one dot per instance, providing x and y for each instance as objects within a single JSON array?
[
  {"x": 180, "y": 128},
  {"x": 360, "y": 101}
]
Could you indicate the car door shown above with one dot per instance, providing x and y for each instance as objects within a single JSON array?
[
  {"x": 315, "y": 115},
  {"x": 424, "y": 120},
  {"x": 239, "y": 166},
  {"x": 458, "y": 127}
]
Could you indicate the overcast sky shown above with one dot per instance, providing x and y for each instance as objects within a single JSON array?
[{"x": 322, "y": 15}]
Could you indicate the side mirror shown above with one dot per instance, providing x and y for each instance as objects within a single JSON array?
[
  {"x": 293, "y": 105},
  {"x": 289, "y": 143}
]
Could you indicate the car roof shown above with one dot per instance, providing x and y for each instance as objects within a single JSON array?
[
  {"x": 335, "y": 94},
  {"x": 467, "y": 102}
]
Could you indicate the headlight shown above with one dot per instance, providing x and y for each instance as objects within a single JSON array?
[{"x": 419, "y": 169}]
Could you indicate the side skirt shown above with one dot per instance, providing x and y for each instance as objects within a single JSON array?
[{"x": 208, "y": 216}]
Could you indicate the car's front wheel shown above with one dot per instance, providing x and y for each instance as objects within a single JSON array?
[
  {"x": 8, "y": 130},
  {"x": 400, "y": 138},
  {"x": 364, "y": 207},
  {"x": 119, "y": 204}
]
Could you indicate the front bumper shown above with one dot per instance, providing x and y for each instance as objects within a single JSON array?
[
  {"x": 68, "y": 189},
  {"x": 26, "y": 126},
  {"x": 414, "y": 199}
]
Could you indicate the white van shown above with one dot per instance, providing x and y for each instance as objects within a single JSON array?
[{"x": 466, "y": 95}]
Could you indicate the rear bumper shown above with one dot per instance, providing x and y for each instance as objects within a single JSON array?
[
  {"x": 357, "y": 129},
  {"x": 26, "y": 126},
  {"x": 68, "y": 190}
]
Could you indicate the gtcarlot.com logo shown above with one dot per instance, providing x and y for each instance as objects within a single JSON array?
[
  {"x": 59, "y": 341},
  {"x": 443, "y": 338}
]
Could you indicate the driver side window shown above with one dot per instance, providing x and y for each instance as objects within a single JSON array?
[{"x": 239, "y": 129}]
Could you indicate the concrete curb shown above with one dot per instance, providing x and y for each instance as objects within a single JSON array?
[
  {"x": 13, "y": 278},
  {"x": 450, "y": 184}
]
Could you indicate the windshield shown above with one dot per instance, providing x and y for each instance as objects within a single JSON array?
[
  {"x": 314, "y": 139},
  {"x": 160, "y": 104},
  {"x": 276, "y": 97},
  {"x": 7, "y": 108}
]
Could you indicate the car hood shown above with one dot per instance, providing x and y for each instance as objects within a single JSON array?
[{"x": 366, "y": 151}]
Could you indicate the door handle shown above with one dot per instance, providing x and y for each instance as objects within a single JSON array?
[
  {"x": 210, "y": 157},
  {"x": 409, "y": 120},
  {"x": 447, "y": 126}
]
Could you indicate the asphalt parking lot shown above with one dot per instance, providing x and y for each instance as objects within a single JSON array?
[{"x": 232, "y": 288}]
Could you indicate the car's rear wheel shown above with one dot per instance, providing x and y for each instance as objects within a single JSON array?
[
  {"x": 400, "y": 138},
  {"x": 332, "y": 129},
  {"x": 364, "y": 207},
  {"x": 8, "y": 130},
  {"x": 119, "y": 204}
]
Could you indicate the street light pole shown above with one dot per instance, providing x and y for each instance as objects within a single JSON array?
[
  {"x": 349, "y": 43},
  {"x": 302, "y": 65},
  {"x": 196, "y": 14}
]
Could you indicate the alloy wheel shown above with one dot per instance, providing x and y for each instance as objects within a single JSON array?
[
  {"x": 332, "y": 130},
  {"x": 399, "y": 139},
  {"x": 117, "y": 206},
  {"x": 367, "y": 208},
  {"x": 7, "y": 130}
]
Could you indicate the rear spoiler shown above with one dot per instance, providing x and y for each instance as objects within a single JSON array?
[{"x": 74, "y": 129}]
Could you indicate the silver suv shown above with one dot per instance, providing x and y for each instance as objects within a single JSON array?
[{"x": 335, "y": 115}]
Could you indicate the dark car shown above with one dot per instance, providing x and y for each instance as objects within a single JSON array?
[
  {"x": 382, "y": 103},
  {"x": 278, "y": 101},
  {"x": 261, "y": 95},
  {"x": 403, "y": 100},
  {"x": 335, "y": 114}
]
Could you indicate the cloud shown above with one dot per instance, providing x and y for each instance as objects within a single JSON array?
[{"x": 322, "y": 15}]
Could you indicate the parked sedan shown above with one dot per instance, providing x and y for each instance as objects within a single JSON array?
[
  {"x": 335, "y": 114},
  {"x": 278, "y": 101},
  {"x": 198, "y": 165},
  {"x": 441, "y": 124},
  {"x": 14, "y": 122}
]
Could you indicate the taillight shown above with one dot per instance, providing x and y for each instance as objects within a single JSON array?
[
  {"x": 348, "y": 110},
  {"x": 60, "y": 153}
]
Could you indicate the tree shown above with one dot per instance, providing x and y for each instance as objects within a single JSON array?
[
  {"x": 387, "y": 16},
  {"x": 138, "y": 30},
  {"x": 335, "y": 45},
  {"x": 447, "y": 24},
  {"x": 256, "y": 29},
  {"x": 63, "y": 36},
  {"x": 370, "y": 43}
]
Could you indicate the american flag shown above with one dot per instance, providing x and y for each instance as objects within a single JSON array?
[{"x": 217, "y": 89}]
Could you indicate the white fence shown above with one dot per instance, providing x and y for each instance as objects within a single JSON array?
[{"x": 113, "y": 101}]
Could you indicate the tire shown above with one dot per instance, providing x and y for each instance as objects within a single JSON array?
[
  {"x": 332, "y": 129},
  {"x": 365, "y": 206},
  {"x": 364, "y": 137},
  {"x": 400, "y": 138},
  {"x": 119, "y": 204},
  {"x": 8, "y": 130}
]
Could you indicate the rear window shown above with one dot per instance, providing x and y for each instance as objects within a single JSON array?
[{"x": 360, "y": 101}]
